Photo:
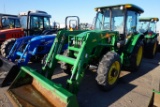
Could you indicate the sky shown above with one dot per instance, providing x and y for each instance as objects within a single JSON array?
[{"x": 59, "y": 9}]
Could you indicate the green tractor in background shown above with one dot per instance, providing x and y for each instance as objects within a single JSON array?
[
  {"x": 114, "y": 43},
  {"x": 147, "y": 26}
]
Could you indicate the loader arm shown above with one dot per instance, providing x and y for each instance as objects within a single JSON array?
[
  {"x": 26, "y": 47},
  {"x": 59, "y": 42},
  {"x": 17, "y": 45},
  {"x": 82, "y": 47}
]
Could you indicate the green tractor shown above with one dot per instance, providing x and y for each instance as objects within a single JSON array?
[
  {"x": 147, "y": 26},
  {"x": 113, "y": 44}
]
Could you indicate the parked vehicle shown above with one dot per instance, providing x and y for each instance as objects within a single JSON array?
[
  {"x": 31, "y": 23},
  {"x": 147, "y": 26}
]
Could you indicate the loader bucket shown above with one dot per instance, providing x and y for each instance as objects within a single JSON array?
[
  {"x": 8, "y": 72},
  {"x": 31, "y": 89}
]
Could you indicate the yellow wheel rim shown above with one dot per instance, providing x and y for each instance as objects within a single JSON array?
[
  {"x": 154, "y": 48},
  {"x": 113, "y": 72},
  {"x": 139, "y": 55}
]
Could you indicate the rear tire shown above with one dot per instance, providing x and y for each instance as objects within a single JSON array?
[
  {"x": 136, "y": 57},
  {"x": 7, "y": 46},
  {"x": 151, "y": 50},
  {"x": 108, "y": 71}
]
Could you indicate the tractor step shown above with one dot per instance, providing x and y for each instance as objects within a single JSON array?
[
  {"x": 74, "y": 49},
  {"x": 66, "y": 59}
]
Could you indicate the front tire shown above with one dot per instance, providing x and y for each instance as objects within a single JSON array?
[
  {"x": 108, "y": 71},
  {"x": 7, "y": 46}
]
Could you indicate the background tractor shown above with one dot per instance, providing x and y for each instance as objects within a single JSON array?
[
  {"x": 32, "y": 23},
  {"x": 147, "y": 26},
  {"x": 113, "y": 43},
  {"x": 10, "y": 27},
  {"x": 8, "y": 21},
  {"x": 26, "y": 49}
]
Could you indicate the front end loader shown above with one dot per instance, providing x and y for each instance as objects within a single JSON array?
[
  {"x": 38, "y": 91},
  {"x": 24, "y": 50},
  {"x": 112, "y": 44},
  {"x": 62, "y": 98},
  {"x": 147, "y": 26}
]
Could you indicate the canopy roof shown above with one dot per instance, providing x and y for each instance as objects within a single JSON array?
[
  {"x": 126, "y": 6},
  {"x": 149, "y": 19}
]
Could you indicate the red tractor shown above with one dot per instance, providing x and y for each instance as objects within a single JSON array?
[{"x": 10, "y": 27}]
